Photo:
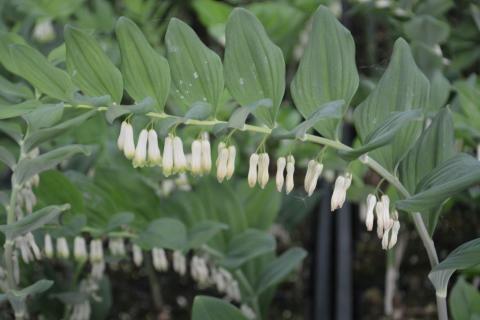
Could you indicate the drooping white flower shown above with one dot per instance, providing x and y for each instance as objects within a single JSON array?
[
  {"x": 179, "y": 159},
  {"x": 248, "y": 312},
  {"x": 44, "y": 31},
  {"x": 140, "y": 157},
  {"x": 279, "y": 179},
  {"x": 379, "y": 209},
  {"x": 22, "y": 245},
  {"x": 394, "y": 235},
  {"x": 62, "y": 248},
  {"x": 206, "y": 155},
  {"x": 121, "y": 136},
  {"x": 129, "y": 143},
  {"x": 81, "y": 311},
  {"x": 167, "y": 160},
  {"x": 116, "y": 246},
  {"x": 371, "y": 202},
  {"x": 154, "y": 154},
  {"x": 137, "y": 255},
  {"x": 48, "y": 246},
  {"x": 222, "y": 162},
  {"x": 317, "y": 171},
  {"x": 199, "y": 270},
  {"x": 159, "y": 259},
  {"x": 309, "y": 174},
  {"x": 98, "y": 269},
  {"x": 33, "y": 245},
  {"x": 387, "y": 220},
  {"x": 252, "y": 171},
  {"x": 263, "y": 174},
  {"x": 179, "y": 263},
  {"x": 196, "y": 163},
  {"x": 232, "y": 152},
  {"x": 290, "y": 171},
  {"x": 385, "y": 238},
  {"x": 96, "y": 251},
  {"x": 80, "y": 249},
  {"x": 342, "y": 183}
]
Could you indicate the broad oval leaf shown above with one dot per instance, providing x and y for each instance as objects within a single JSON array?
[
  {"x": 90, "y": 68},
  {"x": 36, "y": 69},
  {"x": 209, "y": 308},
  {"x": 427, "y": 29},
  {"x": 197, "y": 71},
  {"x": 402, "y": 87},
  {"x": 327, "y": 70},
  {"x": 146, "y": 73},
  {"x": 15, "y": 110},
  {"x": 254, "y": 65},
  {"x": 449, "y": 178},
  {"x": 203, "y": 231},
  {"x": 464, "y": 301},
  {"x": 7, "y": 157},
  {"x": 164, "y": 233},
  {"x": 44, "y": 115},
  {"x": 7, "y": 39}
]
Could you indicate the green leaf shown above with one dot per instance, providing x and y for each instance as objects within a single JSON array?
[
  {"x": 274, "y": 272},
  {"x": 327, "y": 111},
  {"x": 254, "y": 65},
  {"x": 203, "y": 231},
  {"x": 17, "y": 297},
  {"x": 44, "y": 116},
  {"x": 427, "y": 29},
  {"x": 15, "y": 92},
  {"x": 33, "y": 221},
  {"x": 465, "y": 256},
  {"x": 91, "y": 69},
  {"x": 27, "y": 168},
  {"x": 439, "y": 91},
  {"x": 118, "y": 220},
  {"x": 469, "y": 96},
  {"x": 209, "y": 308},
  {"x": 435, "y": 145},
  {"x": 464, "y": 301},
  {"x": 146, "y": 72},
  {"x": 15, "y": 110},
  {"x": 7, "y": 39},
  {"x": 247, "y": 245},
  {"x": 37, "y": 137},
  {"x": 402, "y": 87},
  {"x": 7, "y": 157},
  {"x": 239, "y": 116},
  {"x": 143, "y": 107},
  {"x": 197, "y": 71},
  {"x": 164, "y": 233},
  {"x": 449, "y": 178},
  {"x": 383, "y": 134},
  {"x": 13, "y": 130},
  {"x": 327, "y": 70},
  {"x": 36, "y": 69}
]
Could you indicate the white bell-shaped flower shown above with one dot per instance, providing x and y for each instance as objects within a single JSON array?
[
  {"x": 159, "y": 259},
  {"x": 137, "y": 255},
  {"x": 308, "y": 175},
  {"x": 121, "y": 136},
  {"x": 385, "y": 238},
  {"x": 62, "y": 248},
  {"x": 129, "y": 143},
  {"x": 196, "y": 162},
  {"x": 316, "y": 172},
  {"x": 279, "y": 179},
  {"x": 154, "y": 154},
  {"x": 371, "y": 202},
  {"x": 96, "y": 251},
  {"x": 80, "y": 249},
  {"x": 248, "y": 312},
  {"x": 48, "y": 246},
  {"x": 33, "y": 245},
  {"x": 394, "y": 235},
  {"x": 252, "y": 171},
  {"x": 263, "y": 174},
  {"x": 290, "y": 171},
  {"x": 179, "y": 159},
  {"x": 140, "y": 157},
  {"x": 232, "y": 152},
  {"x": 222, "y": 162},
  {"x": 379, "y": 210},
  {"x": 167, "y": 160},
  {"x": 179, "y": 263},
  {"x": 387, "y": 220},
  {"x": 206, "y": 155}
]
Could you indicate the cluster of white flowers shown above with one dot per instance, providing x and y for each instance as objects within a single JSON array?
[
  {"x": 225, "y": 161},
  {"x": 258, "y": 170},
  {"x": 289, "y": 163},
  {"x": 199, "y": 270},
  {"x": 28, "y": 248},
  {"x": 225, "y": 283},
  {"x": 26, "y": 199},
  {"x": 159, "y": 259},
  {"x": 116, "y": 246},
  {"x": 388, "y": 224},
  {"x": 201, "y": 159}
]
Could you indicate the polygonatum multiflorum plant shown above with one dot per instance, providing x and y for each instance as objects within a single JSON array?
[{"x": 403, "y": 139}]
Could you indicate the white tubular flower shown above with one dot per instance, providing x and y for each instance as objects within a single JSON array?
[
  {"x": 371, "y": 202},
  {"x": 179, "y": 263},
  {"x": 199, "y": 270},
  {"x": 121, "y": 136},
  {"x": 290, "y": 171},
  {"x": 263, "y": 175},
  {"x": 48, "y": 246},
  {"x": 159, "y": 259},
  {"x": 62, "y": 248},
  {"x": 80, "y": 249},
  {"x": 22, "y": 244},
  {"x": 98, "y": 269},
  {"x": 232, "y": 152},
  {"x": 196, "y": 163},
  {"x": 154, "y": 154},
  {"x": 308, "y": 174},
  {"x": 222, "y": 162},
  {"x": 337, "y": 193},
  {"x": 129, "y": 143},
  {"x": 35, "y": 180},
  {"x": 167, "y": 161},
  {"x": 96, "y": 251},
  {"x": 385, "y": 239},
  {"x": 179, "y": 159},
  {"x": 252, "y": 171},
  {"x": 279, "y": 179},
  {"x": 121, "y": 247},
  {"x": 206, "y": 155},
  {"x": 387, "y": 220},
  {"x": 140, "y": 157},
  {"x": 317, "y": 171},
  {"x": 380, "y": 224},
  {"x": 44, "y": 31},
  {"x": 137, "y": 255},
  {"x": 33, "y": 245},
  {"x": 248, "y": 312},
  {"x": 394, "y": 236}
]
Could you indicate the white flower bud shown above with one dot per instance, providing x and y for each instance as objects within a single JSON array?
[
  {"x": 248, "y": 312},
  {"x": 129, "y": 143},
  {"x": 154, "y": 154},
  {"x": 252, "y": 171},
  {"x": 206, "y": 155},
  {"x": 48, "y": 246},
  {"x": 140, "y": 157},
  {"x": 317, "y": 171},
  {"x": 121, "y": 136},
  {"x": 33, "y": 245},
  {"x": 167, "y": 161},
  {"x": 196, "y": 163},
  {"x": 80, "y": 249},
  {"x": 309, "y": 174},
  {"x": 263, "y": 175},
  {"x": 44, "y": 31},
  {"x": 179, "y": 263},
  {"x": 137, "y": 255},
  {"x": 232, "y": 152},
  {"x": 385, "y": 239},
  {"x": 387, "y": 221},
  {"x": 379, "y": 213},
  {"x": 222, "y": 162},
  {"x": 179, "y": 159},
  {"x": 199, "y": 270},
  {"x": 290, "y": 172},
  {"x": 394, "y": 236},
  {"x": 159, "y": 259},
  {"x": 371, "y": 202},
  {"x": 22, "y": 244},
  {"x": 279, "y": 179},
  {"x": 62, "y": 248}
]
